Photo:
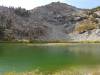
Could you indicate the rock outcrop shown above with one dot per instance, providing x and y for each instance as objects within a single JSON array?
[{"x": 52, "y": 22}]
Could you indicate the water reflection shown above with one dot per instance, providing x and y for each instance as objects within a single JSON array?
[{"x": 21, "y": 57}]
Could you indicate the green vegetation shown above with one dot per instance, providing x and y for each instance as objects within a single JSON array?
[
  {"x": 21, "y": 25},
  {"x": 96, "y": 9},
  {"x": 5, "y": 28},
  {"x": 22, "y": 12}
]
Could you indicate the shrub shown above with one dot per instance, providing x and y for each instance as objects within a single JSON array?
[
  {"x": 85, "y": 25},
  {"x": 8, "y": 35},
  {"x": 22, "y": 12},
  {"x": 96, "y": 9}
]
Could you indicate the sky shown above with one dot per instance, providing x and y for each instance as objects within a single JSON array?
[{"x": 30, "y": 4}]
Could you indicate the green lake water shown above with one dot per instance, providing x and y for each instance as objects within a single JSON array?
[{"x": 21, "y": 57}]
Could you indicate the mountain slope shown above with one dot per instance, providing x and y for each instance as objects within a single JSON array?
[{"x": 52, "y": 22}]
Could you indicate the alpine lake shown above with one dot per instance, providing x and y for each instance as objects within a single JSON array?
[{"x": 22, "y": 57}]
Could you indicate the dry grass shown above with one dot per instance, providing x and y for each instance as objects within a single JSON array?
[
  {"x": 85, "y": 25},
  {"x": 73, "y": 71}
]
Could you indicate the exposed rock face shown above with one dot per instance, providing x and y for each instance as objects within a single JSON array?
[
  {"x": 56, "y": 21},
  {"x": 97, "y": 13},
  {"x": 93, "y": 35}
]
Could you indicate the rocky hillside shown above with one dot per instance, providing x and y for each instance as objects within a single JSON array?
[{"x": 53, "y": 22}]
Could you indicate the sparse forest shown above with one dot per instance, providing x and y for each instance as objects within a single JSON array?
[{"x": 38, "y": 23}]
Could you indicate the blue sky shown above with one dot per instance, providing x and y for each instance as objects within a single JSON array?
[
  {"x": 84, "y": 3},
  {"x": 30, "y": 4}
]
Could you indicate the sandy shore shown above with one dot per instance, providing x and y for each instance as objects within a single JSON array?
[
  {"x": 51, "y": 44},
  {"x": 57, "y": 44}
]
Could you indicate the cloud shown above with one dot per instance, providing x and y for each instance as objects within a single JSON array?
[{"x": 28, "y": 4}]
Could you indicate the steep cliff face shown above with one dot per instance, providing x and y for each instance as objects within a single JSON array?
[
  {"x": 55, "y": 21},
  {"x": 58, "y": 17}
]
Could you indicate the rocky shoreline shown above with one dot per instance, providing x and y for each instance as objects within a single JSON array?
[{"x": 93, "y": 35}]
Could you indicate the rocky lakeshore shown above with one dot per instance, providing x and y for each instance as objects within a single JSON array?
[{"x": 93, "y": 35}]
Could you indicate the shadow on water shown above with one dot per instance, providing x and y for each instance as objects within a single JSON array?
[{"x": 2, "y": 48}]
